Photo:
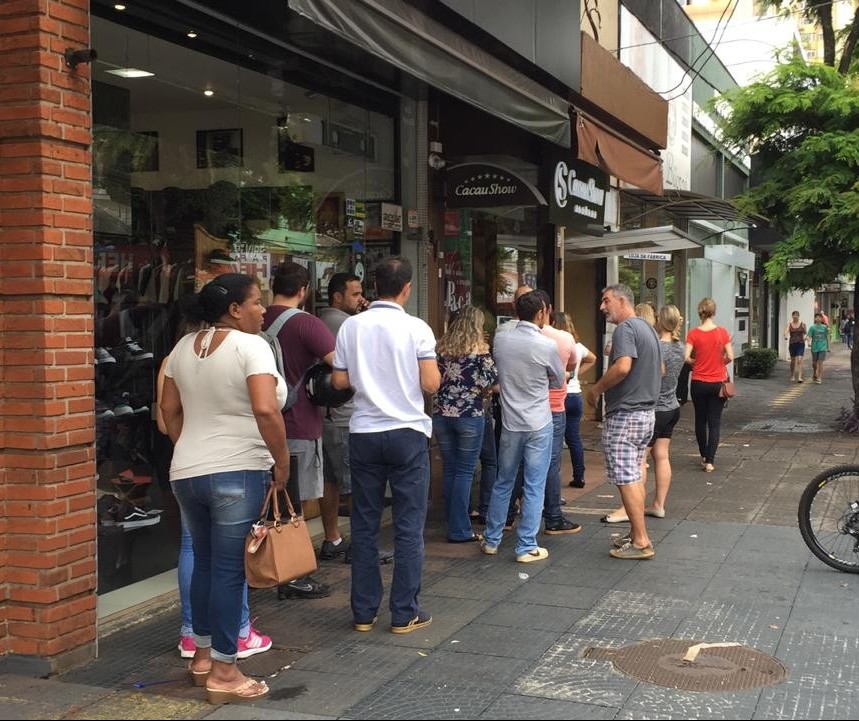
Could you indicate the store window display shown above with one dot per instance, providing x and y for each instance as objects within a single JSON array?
[{"x": 187, "y": 186}]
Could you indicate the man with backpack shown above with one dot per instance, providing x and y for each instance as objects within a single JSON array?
[{"x": 304, "y": 341}]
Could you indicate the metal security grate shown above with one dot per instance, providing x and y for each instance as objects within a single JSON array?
[{"x": 714, "y": 668}]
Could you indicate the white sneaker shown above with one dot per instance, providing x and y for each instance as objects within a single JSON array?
[{"x": 538, "y": 554}]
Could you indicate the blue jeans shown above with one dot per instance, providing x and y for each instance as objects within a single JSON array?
[
  {"x": 219, "y": 509},
  {"x": 573, "y": 435},
  {"x": 400, "y": 458},
  {"x": 488, "y": 465},
  {"x": 185, "y": 569},
  {"x": 552, "y": 499},
  {"x": 534, "y": 448},
  {"x": 459, "y": 440}
]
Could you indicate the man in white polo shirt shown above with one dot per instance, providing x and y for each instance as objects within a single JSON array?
[{"x": 388, "y": 357}]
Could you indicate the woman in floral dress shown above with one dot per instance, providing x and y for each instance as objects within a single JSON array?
[{"x": 467, "y": 374}]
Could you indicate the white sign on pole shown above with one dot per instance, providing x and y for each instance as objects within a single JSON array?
[{"x": 648, "y": 256}]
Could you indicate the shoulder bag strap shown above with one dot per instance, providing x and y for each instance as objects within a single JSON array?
[{"x": 277, "y": 324}]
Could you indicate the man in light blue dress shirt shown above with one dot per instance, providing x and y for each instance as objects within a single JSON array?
[{"x": 528, "y": 364}]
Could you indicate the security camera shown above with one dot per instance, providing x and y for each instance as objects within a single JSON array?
[{"x": 76, "y": 57}]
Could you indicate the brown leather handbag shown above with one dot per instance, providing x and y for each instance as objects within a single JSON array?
[
  {"x": 727, "y": 390},
  {"x": 278, "y": 550}
]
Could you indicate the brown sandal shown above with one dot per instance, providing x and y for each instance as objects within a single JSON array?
[
  {"x": 250, "y": 690},
  {"x": 198, "y": 678}
]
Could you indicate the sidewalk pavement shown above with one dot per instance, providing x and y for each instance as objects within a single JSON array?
[{"x": 513, "y": 640}]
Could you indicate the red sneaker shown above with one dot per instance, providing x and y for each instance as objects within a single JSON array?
[{"x": 187, "y": 647}]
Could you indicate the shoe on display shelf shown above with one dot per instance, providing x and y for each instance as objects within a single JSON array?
[
  {"x": 122, "y": 406},
  {"x": 103, "y": 411},
  {"x": 102, "y": 356},
  {"x": 134, "y": 350},
  {"x": 138, "y": 518}
]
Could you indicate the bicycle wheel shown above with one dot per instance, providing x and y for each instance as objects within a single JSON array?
[{"x": 829, "y": 517}]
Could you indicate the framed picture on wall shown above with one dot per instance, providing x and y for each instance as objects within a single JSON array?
[{"x": 219, "y": 148}]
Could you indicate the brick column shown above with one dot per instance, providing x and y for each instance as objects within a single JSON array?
[{"x": 47, "y": 424}]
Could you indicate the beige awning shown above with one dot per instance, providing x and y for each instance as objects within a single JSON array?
[
  {"x": 663, "y": 239},
  {"x": 617, "y": 156}
]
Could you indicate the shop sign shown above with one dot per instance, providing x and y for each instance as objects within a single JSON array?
[
  {"x": 648, "y": 256},
  {"x": 578, "y": 193},
  {"x": 252, "y": 263},
  {"x": 413, "y": 219},
  {"x": 482, "y": 185},
  {"x": 392, "y": 217}
]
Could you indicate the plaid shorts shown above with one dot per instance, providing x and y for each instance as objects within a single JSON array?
[{"x": 625, "y": 436}]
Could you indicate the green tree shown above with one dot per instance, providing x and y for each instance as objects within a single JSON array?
[{"x": 801, "y": 125}]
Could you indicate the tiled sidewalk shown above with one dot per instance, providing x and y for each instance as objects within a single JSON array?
[{"x": 509, "y": 640}]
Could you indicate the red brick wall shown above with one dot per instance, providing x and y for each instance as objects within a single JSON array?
[{"x": 47, "y": 465}]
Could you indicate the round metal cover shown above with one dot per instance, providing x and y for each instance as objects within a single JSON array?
[{"x": 716, "y": 667}]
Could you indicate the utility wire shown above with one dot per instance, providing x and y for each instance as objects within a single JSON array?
[{"x": 711, "y": 49}]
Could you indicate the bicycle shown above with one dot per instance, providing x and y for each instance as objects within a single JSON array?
[{"x": 829, "y": 517}]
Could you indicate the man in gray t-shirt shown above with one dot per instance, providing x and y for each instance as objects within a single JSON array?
[
  {"x": 631, "y": 386},
  {"x": 346, "y": 298}
]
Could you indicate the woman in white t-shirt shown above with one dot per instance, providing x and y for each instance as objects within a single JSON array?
[
  {"x": 574, "y": 405},
  {"x": 221, "y": 406}
]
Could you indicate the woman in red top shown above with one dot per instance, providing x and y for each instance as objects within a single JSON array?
[{"x": 708, "y": 351}]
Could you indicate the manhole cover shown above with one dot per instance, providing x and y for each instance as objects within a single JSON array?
[{"x": 693, "y": 665}]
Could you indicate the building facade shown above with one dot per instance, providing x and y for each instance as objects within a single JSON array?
[{"x": 146, "y": 148}]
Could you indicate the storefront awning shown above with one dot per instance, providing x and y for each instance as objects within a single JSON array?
[
  {"x": 693, "y": 206},
  {"x": 618, "y": 156},
  {"x": 405, "y": 37},
  {"x": 664, "y": 239}
]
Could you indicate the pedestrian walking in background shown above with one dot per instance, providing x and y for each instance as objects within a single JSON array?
[
  {"x": 818, "y": 339},
  {"x": 221, "y": 406},
  {"x": 709, "y": 351},
  {"x": 631, "y": 386},
  {"x": 574, "y": 403},
  {"x": 389, "y": 358},
  {"x": 468, "y": 374},
  {"x": 345, "y": 298},
  {"x": 794, "y": 334},
  {"x": 847, "y": 330},
  {"x": 528, "y": 365}
]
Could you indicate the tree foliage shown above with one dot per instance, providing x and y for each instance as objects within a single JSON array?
[{"x": 801, "y": 125}]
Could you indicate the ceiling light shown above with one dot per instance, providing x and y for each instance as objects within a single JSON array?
[
  {"x": 130, "y": 73},
  {"x": 208, "y": 93},
  {"x": 119, "y": 6},
  {"x": 192, "y": 34}
]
